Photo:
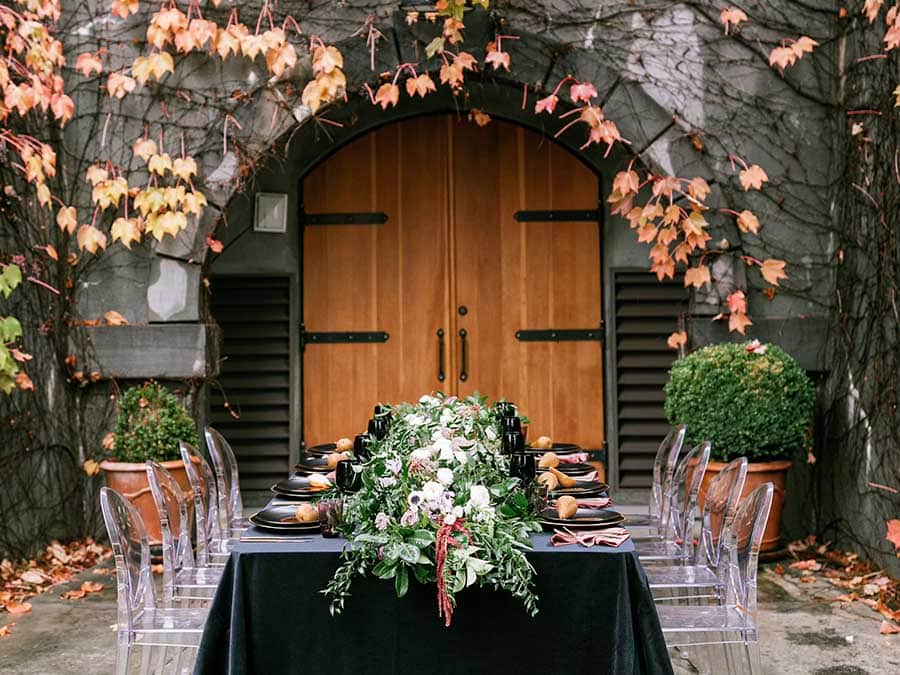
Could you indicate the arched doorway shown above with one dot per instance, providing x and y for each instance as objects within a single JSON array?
[{"x": 442, "y": 255}]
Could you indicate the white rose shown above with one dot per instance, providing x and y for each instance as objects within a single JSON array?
[
  {"x": 428, "y": 400},
  {"x": 446, "y": 416},
  {"x": 461, "y": 456},
  {"x": 445, "y": 476},
  {"x": 432, "y": 490},
  {"x": 490, "y": 433},
  {"x": 421, "y": 453},
  {"x": 444, "y": 448},
  {"x": 479, "y": 496},
  {"x": 449, "y": 519},
  {"x": 414, "y": 420}
]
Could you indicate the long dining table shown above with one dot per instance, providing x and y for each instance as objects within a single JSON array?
[{"x": 269, "y": 615}]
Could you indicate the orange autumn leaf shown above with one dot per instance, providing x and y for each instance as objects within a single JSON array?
[
  {"x": 66, "y": 219},
  {"x": 737, "y": 302},
  {"x": 480, "y": 117},
  {"x": 109, "y": 441},
  {"x": 497, "y": 59},
  {"x": 773, "y": 270},
  {"x": 90, "y": 238},
  {"x": 747, "y": 222},
  {"x": 88, "y": 63},
  {"x": 91, "y": 587},
  {"x": 753, "y": 177},
  {"x": 546, "y": 104},
  {"x": 91, "y": 467},
  {"x": 74, "y": 594},
  {"x": 6, "y": 629},
  {"x": 388, "y": 94},
  {"x": 871, "y": 9},
  {"x": 697, "y": 276},
  {"x": 893, "y": 532},
  {"x": 582, "y": 91},
  {"x": 23, "y": 381},
  {"x": 732, "y": 17},
  {"x": 50, "y": 250},
  {"x": 888, "y": 628},
  {"x": 215, "y": 245},
  {"x": 420, "y": 85},
  {"x": 677, "y": 339},
  {"x": 124, "y": 8},
  {"x": 119, "y": 84},
  {"x": 113, "y": 318},
  {"x": 738, "y": 322},
  {"x": 18, "y": 607},
  {"x": 327, "y": 59}
]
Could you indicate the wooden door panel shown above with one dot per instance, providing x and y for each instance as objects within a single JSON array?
[
  {"x": 530, "y": 275},
  {"x": 389, "y": 277}
]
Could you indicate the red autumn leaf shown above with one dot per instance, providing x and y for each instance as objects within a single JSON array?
[
  {"x": 773, "y": 270},
  {"x": 546, "y": 104},
  {"x": 732, "y": 17},
  {"x": 737, "y": 302},
  {"x": 753, "y": 177},
  {"x": 23, "y": 381},
  {"x": 810, "y": 564},
  {"x": 582, "y": 91},
  {"x": 738, "y": 322},
  {"x": 893, "y": 532},
  {"x": 778, "y": 569},
  {"x": 677, "y": 339},
  {"x": 420, "y": 85},
  {"x": 215, "y": 245},
  {"x": 888, "y": 628},
  {"x": 497, "y": 59}
]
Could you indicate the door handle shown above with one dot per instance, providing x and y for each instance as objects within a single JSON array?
[
  {"x": 464, "y": 367},
  {"x": 440, "y": 336}
]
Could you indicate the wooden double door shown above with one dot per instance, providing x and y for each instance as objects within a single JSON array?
[{"x": 464, "y": 290}]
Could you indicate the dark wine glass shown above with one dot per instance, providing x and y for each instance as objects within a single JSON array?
[
  {"x": 382, "y": 412},
  {"x": 512, "y": 441},
  {"x": 506, "y": 409},
  {"x": 346, "y": 477},
  {"x": 361, "y": 447},
  {"x": 378, "y": 427},
  {"x": 522, "y": 466},
  {"x": 510, "y": 424}
]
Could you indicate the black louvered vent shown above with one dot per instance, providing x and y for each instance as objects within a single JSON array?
[
  {"x": 647, "y": 313},
  {"x": 254, "y": 315}
]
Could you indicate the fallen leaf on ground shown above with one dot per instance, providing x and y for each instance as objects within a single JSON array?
[
  {"x": 6, "y": 629},
  {"x": 33, "y": 577},
  {"x": 18, "y": 607},
  {"x": 91, "y": 587},
  {"x": 893, "y": 532},
  {"x": 810, "y": 564},
  {"x": 888, "y": 628},
  {"x": 778, "y": 569},
  {"x": 74, "y": 594}
]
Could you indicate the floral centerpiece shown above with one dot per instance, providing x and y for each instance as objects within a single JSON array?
[{"x": 437, "y": 504}]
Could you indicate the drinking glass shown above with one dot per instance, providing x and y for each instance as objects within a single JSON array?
[
  {"x": 347, "y": 478},
  {"x": 330, "y": 511},
  {"x": 522, "y": 466},
  {"x": 512, "y": 441},
  {"x": 538, "y": 496},
  {"x": 510, "y": 424},
  {"x": 506, "y": 409},
  {"x": 378, "y": 427},
  {"x": 361, "y": 449}
]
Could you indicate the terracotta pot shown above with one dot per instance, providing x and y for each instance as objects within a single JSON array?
[
  {"x": 130, "y": 480},
  {"x": 757, "y": 474}
]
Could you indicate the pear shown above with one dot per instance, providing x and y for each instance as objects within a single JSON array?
[
  {"x": 548, "y": 460},
  {"x": 566, "y": 506},
  {"x": 306, "y": 513},
  {"x": 333, "y": 458},
  {"x": 564, "y": 480},
  {"x": 543, "y": 443},
  {"x": 548, "y": 479},
  {"x": 318, "y": 482},
  {"x": 344, "y": 445}
]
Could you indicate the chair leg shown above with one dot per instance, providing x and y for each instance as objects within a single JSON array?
[
  {"x": 122, "y": 655},
  {"x": 753, "y": 658},
  {"x": 146, "y": 651}
]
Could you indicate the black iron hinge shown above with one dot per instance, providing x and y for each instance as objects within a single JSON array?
[
  {"x": 558, "y": 215},
  {"x": 342, "y": 337},
  {"x": 314, "y": 219},
  {"x": 562, "y": 335}
]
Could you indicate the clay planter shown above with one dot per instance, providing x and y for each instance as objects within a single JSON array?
[
  {"x": 130, "y": 480},
  {"x": 757, "y": 474}
]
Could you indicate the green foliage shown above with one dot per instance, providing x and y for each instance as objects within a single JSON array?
[
  {"x": 745, "y": 402},
  {"x": 150, "y": 425},
  {"x": 10, "y": 329},
  {"x": 10, "y": 277}
]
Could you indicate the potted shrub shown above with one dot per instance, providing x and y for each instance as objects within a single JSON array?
[
  {"x": 150, "y": 425},
  {"x": 749, "y": 400}
]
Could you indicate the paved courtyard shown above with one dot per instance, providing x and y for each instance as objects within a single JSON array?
[{"x": 802, "y": 632}]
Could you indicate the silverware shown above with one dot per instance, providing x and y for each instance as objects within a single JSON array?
[{"x": 274, "y": 538}]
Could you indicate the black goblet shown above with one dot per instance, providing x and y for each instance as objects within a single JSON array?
[
  {"x": 361, "y": 447},
  {"x": 510, "y": 424},
  {"x": 347, "y": 478},
  {"x": 522, "y": 466},
  {"x": 378, "y": 427},
  {"x": 382, "y": 412},
  {"x": 506, "y": 409},
  {"x": 512, "y": 441}
]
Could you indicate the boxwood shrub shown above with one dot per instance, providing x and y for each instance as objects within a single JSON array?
[
  {"x": 150, "y": 425},
  {"x": 748, "y": 402}
]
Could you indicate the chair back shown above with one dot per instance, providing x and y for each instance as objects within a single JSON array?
[
  {"x": 131, "y": 550},
  {"x": 175, "y": 526},
  {"x": 203, "y": 486},
  {"x": 740, "y": 552},
  {"x": 719, "y": 506},
  {"x": 685, "y": 492},
  {"x": 225, "y": 464},
  {"x": 663, "y": 468}
]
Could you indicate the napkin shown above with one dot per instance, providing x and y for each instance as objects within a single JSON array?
[
  {"x": 593, "y": 503},
  {"x": 587, "y": 478},
  {"x": 576, "y": 458},
  {"x": 610, "y": 536}
]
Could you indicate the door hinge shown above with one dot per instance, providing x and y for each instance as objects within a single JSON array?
[
  {"x": 373, "y": 218},
  {"x": 558, "y": 215},
  {"x": 342, "y": 337},
  {"x": 562, "y": 335}
]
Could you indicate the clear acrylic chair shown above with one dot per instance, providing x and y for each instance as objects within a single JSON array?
[
  {"x": 663, "y": 469},
  {"x": 140, "y": 622},
  {"x": 676, "y": 545},
  {"x": 212, "y": 549},
  {"x": 230, "y": 504},
  {"x": 726, "y": 632},
  {"x": 182, "y": 580},
  {"x": 699, "y": 579}
]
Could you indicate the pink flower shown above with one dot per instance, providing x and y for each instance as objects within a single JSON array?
[
  {"x": 382, "y": 520},
  {"x": 409, "y": 518}
]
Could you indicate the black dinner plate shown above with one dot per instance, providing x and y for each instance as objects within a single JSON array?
[
  {"x": 583, "y": 518},
  {"x": 282, "y": 518},
  {"x": 295, "y": 486},
  {"x": 312, "y": 464},
  {"x": 322, "y": 450},
  {"x": 558, "y": 448},
  {"x": 581, "y": 489},
  {"x": 579, "y": 469}
]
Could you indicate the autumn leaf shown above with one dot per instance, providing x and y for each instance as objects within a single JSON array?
[
  {"x": 434, "y": 47},
  {"x": 124, "y": 8},
  {"x": 66, "y": 219},
  {"x": 23, "y": 381},
  {"x": 871, "y": 9},
  {"x": 156, "y": 65},
  {"x": 626, "y": 182},
  {"x": 281, "y": 59},
  {"x": 91, "y": 467},
  {"x": 215, "y": 245},
  {"x": 803, "y": 45},
  {"x": 6, "y": 629},
  {"x": 90, "y": 238},
  {"x": 126, "y": 230},
  {"x": 546, "y": 104},
  {"x": 811, "y": 565},
  {"x": 737, "y": 302},
  {"x": 411, "y": 18},
  {"x": 91, "y": 587},
  {"x": 113, "y": 318},
  {"x": 747, "y": 222},
  {"x": 698, "y": 188},
  {"x": 119, "y": 84},
  {"x": 327, "y": 59},
  {"x": 497, "y": 59},
  {"x": 74, "y": 594},
  {"x": 677, "y": 339},
  {"x": 732, "y": 17},
  {"x": 697, "y": 276},
  {"x": 773, "y": 270},
  {"x": 184, "y": 168},
  {"x": 893, "y": 532},
  {"x": 420, "y": 85},
  {"x": 480, "y": 117},
  {"x": 582, "y": 91},
  {"x": 753, "y": 177},
  {"x": 888, "y": 628},
  {"x": 18, "y": 607},
  {"x": 88, "y": 63},
  {"x": 738, "y": 322},
  {"x": 388, "y": 94},
  {"x": 160, "y": 164},
  {"x": 109, "y": 441}
]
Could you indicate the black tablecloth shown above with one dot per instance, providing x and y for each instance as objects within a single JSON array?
[{"x": 268, "y": 617}]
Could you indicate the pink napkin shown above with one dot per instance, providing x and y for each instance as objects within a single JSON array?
[
  {"x": 610, "y": 536},
  {"x": 596, "y": 503},
  {"x": 576, "y": 458},
  {"x": 587, "y": 478}
]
